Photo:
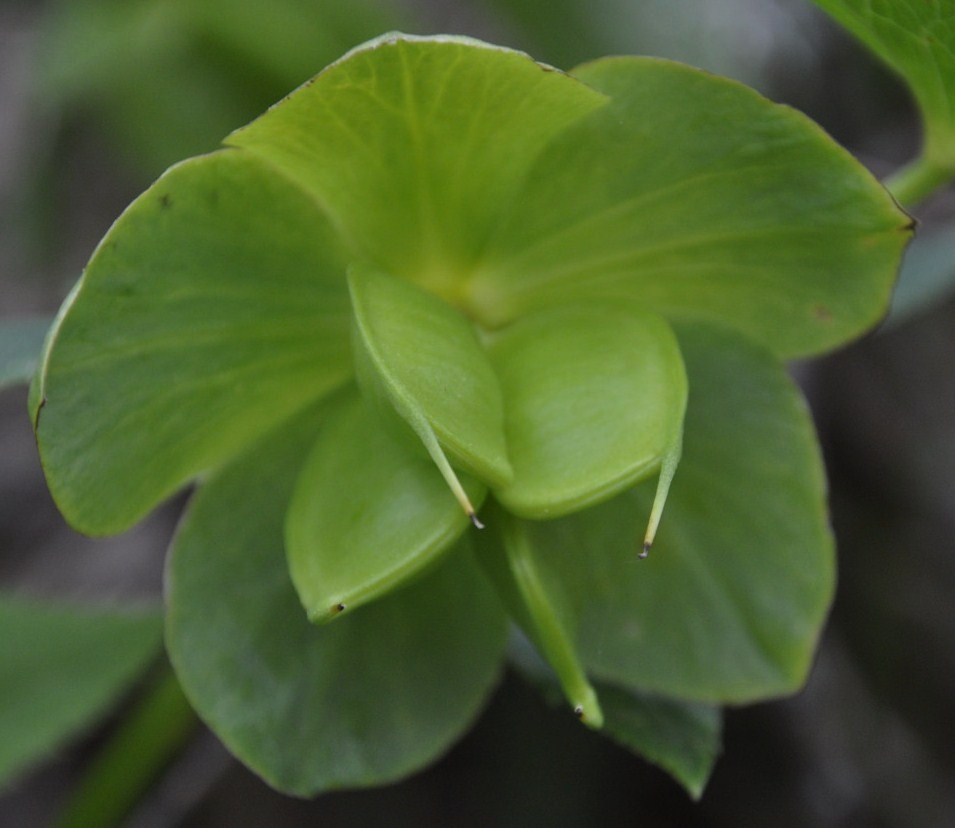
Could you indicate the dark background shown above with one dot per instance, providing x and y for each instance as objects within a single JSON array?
[{"x": 92, "y": 112}]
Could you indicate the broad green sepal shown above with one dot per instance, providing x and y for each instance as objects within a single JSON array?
[
  {"x": 683, "y": 738},
  {"x": 413, "y": 144},
  {"x": 540, "y": 606},
  {"x": 426, "y": 358},
  {"x": 730, "y": 605},
  {"x": 364, "y": 701},
  {"x": 917, "y": 39},
  {"x": 367, "y": 514},
  {"x": 594, "y": 399},
  {"x": 698, "y": 198},
  {"x": 214, "y": 308}
]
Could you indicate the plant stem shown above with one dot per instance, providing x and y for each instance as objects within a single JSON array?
[
  {"x": 151, "y": 735},
  {"x": 917, "y": 180}
]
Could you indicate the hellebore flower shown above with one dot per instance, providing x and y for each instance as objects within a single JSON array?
[{"x": 442, "y": 283}]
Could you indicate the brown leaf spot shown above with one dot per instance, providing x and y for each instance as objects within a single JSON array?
[{"x": 821, "y": 313}]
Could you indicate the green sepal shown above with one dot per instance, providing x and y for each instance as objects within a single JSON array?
[
  {"x": 364, "y": 701},
  {"x": 540, "y": 605},
  {"x": 425, "y": 359},
  {"x": 729, "y": 607},
  {"x": 682, "y": 738},
  {"x": 367, "y": 514},
  {"x": 414, "y": 144},
  {"x": 214, "y": 308},
  {"x": 700, "y": 199},
  {"x": 594, "y": 399}
]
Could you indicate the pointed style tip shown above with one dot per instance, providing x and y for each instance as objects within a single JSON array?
[
  {"x": 579, "y": 711},
  {"x": 475, "y": 519},
  {"x": 645, "y": 549}
]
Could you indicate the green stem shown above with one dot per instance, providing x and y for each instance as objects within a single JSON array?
[
  {"x": 917, "y": 180},
  {"x": 152, "y": 734}
]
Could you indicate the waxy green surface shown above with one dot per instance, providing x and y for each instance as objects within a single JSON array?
[
  {"x": 213, "y": 309},
  {"x": 361, "y": 701},
  {"x": 540, "y": 605},
  {"x": 433, "y": 370},
  {"x": 728, "y": 605},
  {"x": 412, "y": 145},
  {"x": 699, "y": 199},
  {"x": 367, "y": 513},
  {"x": 594, "y": 397},
  {"x": 510, "y": 249}
]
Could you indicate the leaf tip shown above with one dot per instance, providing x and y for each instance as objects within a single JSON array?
[
  {"x": 590, "y": 714},
  {"x": 326, "y": 613}
]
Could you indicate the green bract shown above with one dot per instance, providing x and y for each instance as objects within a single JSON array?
[{"x": 438, "y": 282}]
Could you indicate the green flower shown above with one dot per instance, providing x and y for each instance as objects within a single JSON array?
[{"x": 442, "y": 284}]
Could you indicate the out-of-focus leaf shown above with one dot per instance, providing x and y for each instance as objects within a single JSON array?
[
  {"x": 363, "y": 701},
  {"x": 215, "y": 307},
  {"x": 701, "y": 199},
  {"x": 917, "y": 39},
  {"x": 167, "y": 79},
  {"x": 61, "y": 667},
  {"x": 414, "y": 145},
  {"x": 593, "y": 397},
  {"x": 21, "y": 341},
  {"x": 729, "y": 605},
  {"x": 368, "y": 513}
]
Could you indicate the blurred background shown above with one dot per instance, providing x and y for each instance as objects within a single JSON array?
[{"x": 97, "y": 97}]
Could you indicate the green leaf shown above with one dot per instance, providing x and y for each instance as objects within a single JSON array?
[
  {"x": 682, "y": 738},
  {"x": 594, "y": 398},
  {"x": 414, "y": 144},
  {"x": 215, "y": 307},
  {"x": 729, "y": 606},
  {"x": 540, "y": 605},
  {"x": 426, "y": 360},
  {"x": 21, "y": 341},
  {"x": 700, "y": 199},
  {"x": 917, "y": 39},
  {"x": 140, "y": 747},
  {"x": 363, "y": 701},
  {"x": 61, "y": 667},
  {"x": 366, "y": 515}
]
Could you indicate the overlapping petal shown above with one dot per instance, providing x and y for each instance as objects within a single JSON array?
[
  {"x": 699, "y": 198},
  {"x": 368, "y": 513},
  {"x": 728, "y": 607},
  {"x": 359, "y": 702},
  {"x": 520, "y": 247},
  {"x": 414, "y": 144},
  {"x": 214, "y": 308}
]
